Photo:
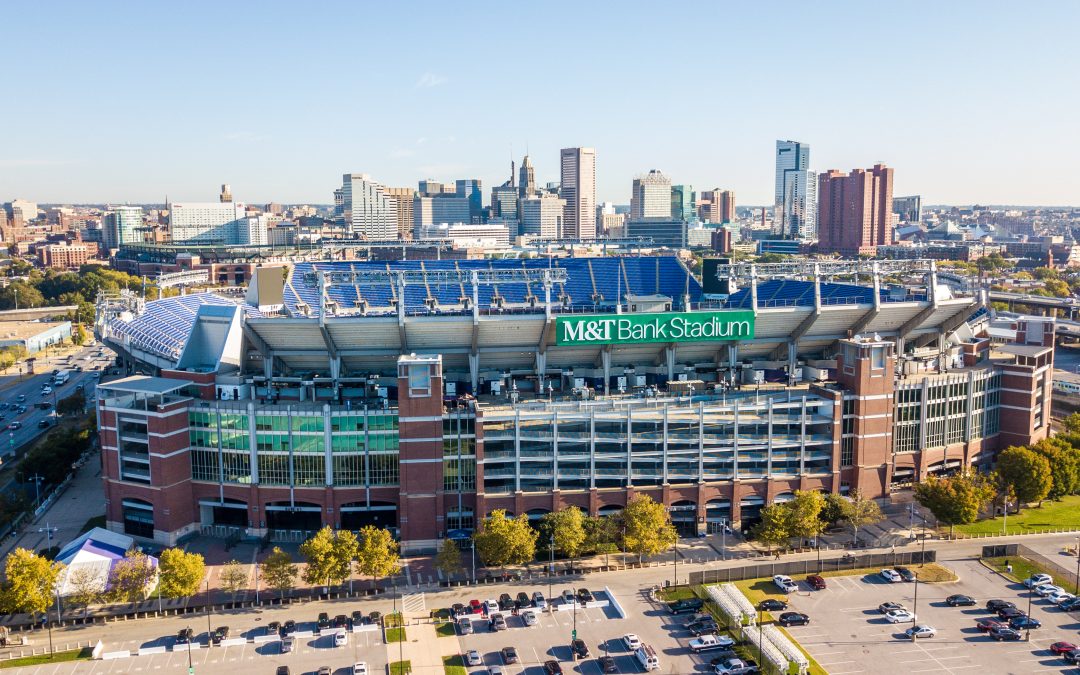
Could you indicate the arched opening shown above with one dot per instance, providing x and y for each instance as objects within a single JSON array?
[
  {"x": 535, "y": 514},
  {"x": 609, "y": 510},
  {"x": 356, "y": 515},
  {"x": 717, "y": 514},
  {"x": 138, "y": 518},
  {"x": 783, "y": 497},
  {"x": 750, "y": 511},
  {"x": 684, "y": 517},
  {"x": 295, "y": 516},
  {"x": 227, "y": 512}
]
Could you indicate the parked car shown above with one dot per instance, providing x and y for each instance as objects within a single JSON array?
[
  {"x": 552, "y": 668},
  {"x": 892, "y": 576},
  {"x": 900, "y": 616},
  {"x": 905, "y": 574},
  {"x": 1070, "y": 605},
  {"x": 772, "y": 605},
  {"x": 472, "y": 658},
  {"x": 1072, "y": 657},
  {"x": 816, "y": 582},
  {"x": 793, "y": 619},
  {"x": 685, "y": 605},
  {"x": 1024, "y": 623},
  {"x": 282, "y": 670},
  {"x": 289, "y": 627},
  {"x": 579, "y": 649},
  {"x": 509, "y": 655},
  {"x": 185, "y": 636},
  {"x": 568, "y": 596},
  {"x": 785, "y": 583},
  {"x": 490, "y": 607},
  {"x": 1060, "y": 598},
  {"x": 464, "y": 625},
  {"x": 584, "y": 595},
  {"x": 273, "y": 628},
  {"x": 631, "y": 641},
  {"x": 324, "y": 670},
  {"x": 1061, "y": 647},
  {"x": 220, "y": 633},
  {"x": 997, "y": 605},
  {"x": 523, "y": 600},
  {"x": 704, "y": 627},
  {"x": 538, "y": 600},
  {"x": 341, "y": 638},
  {"x": 710, "y": 642},
  {"x": 1048, "y": 589},
  {"x": 987, "y": 625},
  {"x": 322, "y": 622},
  {"x": 456, "y": 610},
  {"x": 736, "y": 666},
  {"x": 287, "y": 644},
  {"x": 921, "y": 631},
  {"x": 506, "y": 603},
  {"x": 887, "y": 607},
  {"x": 960, "y": 601},
  {"x": 1004, "y": 633},
  {"x": 1010, "y": 613},
  {"x": 607, "y": 664},
  {"x": 341, "y": 621},
  {"x": 476, "y": 607},
  {"x": 1038, "y": 580},
  {"x": 498, "y": 622},
  {"x": 529, "y": 617}
]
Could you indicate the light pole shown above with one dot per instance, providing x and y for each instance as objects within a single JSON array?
[
  {"x": 915, "y": 608},
  {"x": 675, "y": 575},
  {"x": 209, "y": 633},
  {"x": 1027, "y": 633},
  {"x": 190, "y": 668},
  {"x": 551, "y": 573},
  {"x": 37, "y": 481},
  {"x": 1076, "y": 587}
]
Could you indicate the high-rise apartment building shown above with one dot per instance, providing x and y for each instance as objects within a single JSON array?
[
  {"x": 368, "y": 212},
  {"x": 206, "y": 222},
  {"x": 20, "y": 212},
  {"x": 796, "y": 192},
  {"x": 651, "y": 197},
  {"x": 578, "y": 188},
  {"x": 682, "y": 203},
  {"x": 226, "y": 193},
  {"x": 444, "y": 208},
  {"x": 403, "y": 197},
  {"x": 908, "y": 209},
  {"x": 473, "y": 190},
  {"x": 718, "y": 206},
  {"x": 543, "y": 215},
  {"x": 855, "y": 210},
  {"x": 120, "y": 225},
  {"x": 253, "y": 230},
  {"x": 431, "y": 188},
  {"x": 526, "y": 178}
]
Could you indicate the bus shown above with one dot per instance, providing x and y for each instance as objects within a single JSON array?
[{"x": 61, "y": 378}]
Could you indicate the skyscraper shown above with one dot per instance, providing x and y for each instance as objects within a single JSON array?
[
  {"x": 795, "y": 202},
  {"x": 369, "y": 213},
  {"x": 682, "y": 203},
  {"x": 543, "y": 215},
  {"x": 526, "y": 178},
  {"x": 855, "y": 210},
  {"x": 651, "y": 197},
  {"x": 718, "y": 206},
  {"x": 403, "y": 196},
  {"x": 206, "y": 222},
  {"x": 120, "y": 226},
  {"x": 444, "y": 208},
  {"x": 908, "y": 209},
  {"x": 226, "y": 193},
  {"x": 473, "y": 190},
  {"x": 578, "y": 188}
]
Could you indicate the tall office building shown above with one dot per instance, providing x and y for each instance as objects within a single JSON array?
[
  {"x": 430, "y": 188},
  {"x": 403, "y": 197},
  {"x": 908, "y": 209},
  {"x": 682, "y": 203},
  {"x": 718, "y": 206},
  {"x": 471, "y": 189},
  {"x": 226, "y": 193},
  {"x": 20, "y": 212},
  {"x": 795, "y": 202},
  {"x": 526, "y": 178},
  {"x": 651, "y": 197},
  {"x": 120, "y": 225},
  {"x": 578, "y": 188},
  {"x": 504, "y": 202},
  {"x": 855, "y": 211},
  {"x": 608, "y": 222},
  {"x": 444, "y": 208},
  {"x": 543, "y": 215},
  {"x": 206, "y": 222},
  {"x": 368, "y": 212}
]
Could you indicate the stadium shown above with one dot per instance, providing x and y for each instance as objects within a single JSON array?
[{"x": 422, "y": 395}]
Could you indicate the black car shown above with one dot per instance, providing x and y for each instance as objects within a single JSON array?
[
  {"x": 960, "y": 601},
  {"x": 506, "y": 603},
  {"x": 607, "y": 664},
  {"x": 341, "y": 621},
  {"x": 509, "y": 655},
  {"x": 584, "y": 595},
  {"x": 282, "y": 670},
  {"x": 1009, "y": 613},
  {"x": 1025, "y": 623},
  {"x": 220, "y": 633},
  {"x": 579, "y": 649},
  {"x": 685, "y": 605},
  {"x": 905, "y": 573},
  {"x": 1005, "y": 634},
  {"x": 43, "y": 424},
  {"x": 523, "y": 600},
  {"x": 772, "y": 605},
  {"x": 375, "y": 618},
  {"x": 323, "y": 621},
  {"x": 288, "y": 628},
  {"x": 997, "y": 605},
  {"x": 456, "y": 610},
  {"x": 552, "y": 668},
  {"x": 1072, "y": 656},
  {"x": 185, "y": 636},
  {"x": 704, "y": 627},
  {"x": 273, "y": 628},
  {"x": 1070, "y": 605},
  {"x": 793, "y": 619},
  {"x": 357, "y": 617}
]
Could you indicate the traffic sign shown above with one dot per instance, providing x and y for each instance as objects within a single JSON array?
[
  {"x": 191, "y": 670},
  {"x": 573, "y": 634}
]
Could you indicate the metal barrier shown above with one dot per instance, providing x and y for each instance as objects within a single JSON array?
[{"x": 803, "y": 567}]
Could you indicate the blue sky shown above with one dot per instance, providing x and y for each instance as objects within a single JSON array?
[{"x": 108, "y": 101}]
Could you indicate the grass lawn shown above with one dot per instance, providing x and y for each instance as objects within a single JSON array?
[
  {"x": 395, "y": 635},
  {"x": 392, "y": 620},
  {"x": 1023, "y": 568},
  {"x": 454, "y": 665},
  {"x": 933, "y": 573},
  {"x": 445, "y": 629},
  {"x": 1064, "y": 514},
  {"x": 400, "y": 667},
  {"x": 677, "y": 593},
  {"x": 43, "y": 659}
]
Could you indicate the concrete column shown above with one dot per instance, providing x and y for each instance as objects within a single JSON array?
[
  {"x": 605, "y": 360},
  {"x": 474, "y": 372},
  {"x": 669, "y": 358}
]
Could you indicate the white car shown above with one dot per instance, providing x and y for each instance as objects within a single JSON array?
[
  {"x": 490, "y": 607},
  {"x": 1058, "y": 598},
  {"x": 1048, "y": 589},
  {"x": 784, "y": 583},
  {"x": 359, "y": 668},
  {"x": 921, "y": 631},
  {"x": 900, "y": 616},
  {"x": 892, "y": 576},
  {"x": 46, "y": 390},
  {"x": 631, "y": 641},
  {"x": 1038, "y": 580},
  {"x": 341, "y": 638},
  {"x": 472, "y": 658},
  {"x": 529, "y": 618}
]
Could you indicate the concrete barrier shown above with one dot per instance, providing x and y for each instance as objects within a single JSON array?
[
  {"x": 194, "y": 646},
  {"x": 565, "y": 606},
  {"x": 263, "y": 639},
  {"x": 365, "y": 628},
  {"x": 614, "y": 603},
  {"x": 234, "y": 642},
  {"x": 109, "y": 656},
  {"x": 144, "y": 651},
  {"x": 596, "y": 604},
  {"x": 303, "y": 634},
  {"x": 95, "y": 653}
]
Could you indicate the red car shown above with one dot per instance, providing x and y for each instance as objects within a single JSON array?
[
  {"x": 986, "y": 625},
  {"x": 1062, "y": 647},
  {"x": 816, "y": 582},
  {"x": 476, "y": 607}
]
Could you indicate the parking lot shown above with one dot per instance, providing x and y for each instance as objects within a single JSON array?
[{"x": 848, "y": 635}]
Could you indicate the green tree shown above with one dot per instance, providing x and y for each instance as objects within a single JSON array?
[
  {"x": 130, "y": 578},
  {"x": 1064, "y": 462},
  {"x": 832, "y": 512},
  {"x": 505, "y": 541},
  {"x": 775, "y": 526},
  {"x": 860, "y": 512},
  {"x": 602, "y": 535},
  {"x": 20, "y": 293},
  {"x": 1071, "y": 424},
  {"x": 329, "y": 556},
  {"x": 567, "y": 527},
  {"x": 448, "y": 560},
  {"x": 377, "y": 553},
  {"x": 30, "y": 582},
  {"x": 71, "y": 405},
  {"x": 955, "y": 500},
  {"x": 181, "y": 573},
  {"x": 78, "y": 335},
  {"x": 805, "y": 521},
  {"x": 1026, "y": 472},
  {"x": 233, "y": 577},
  {"x": 279, "y": 571},
  {"x": 648, "y": 528},
  {"x": 87, "y": 587}
]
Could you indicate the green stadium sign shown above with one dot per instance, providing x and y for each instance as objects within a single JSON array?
[{"x": 664, "y": 327}]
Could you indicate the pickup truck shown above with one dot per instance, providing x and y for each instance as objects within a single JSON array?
[
  {"x": 685, "y": 605},
  {"x": 708, "y": 643}
]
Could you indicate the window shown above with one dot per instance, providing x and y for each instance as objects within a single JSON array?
[
  {"x": 419, "y": 380},
  {"x": 138, "y": 518}
]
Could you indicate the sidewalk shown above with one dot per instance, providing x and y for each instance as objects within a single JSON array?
[{"x": 422, "y": 648}]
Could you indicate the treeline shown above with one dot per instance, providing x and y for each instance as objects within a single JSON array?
[
  {"x": 54, "y": 288},
  {"x": 810, "y": 513}
]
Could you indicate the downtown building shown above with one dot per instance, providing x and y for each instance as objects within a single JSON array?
[
  {"x": 855, "y": 211},
  {"x": 795, "y": 197},
  {"x": 421, "y": 396}
]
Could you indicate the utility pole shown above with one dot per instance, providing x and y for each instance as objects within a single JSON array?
[{"x": 37, "y": 481}]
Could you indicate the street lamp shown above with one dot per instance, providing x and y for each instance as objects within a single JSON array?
[
  {"x": 915, "y": 608},
  {"x": 1027, "y": 633},
  {"x": 551, "y": 573},
  {"x": 37, "y": 481},
  {"x": 209, "y": 633},
  {"x": 675, "y": 575},
  {"x": 1076, "y": 587}
]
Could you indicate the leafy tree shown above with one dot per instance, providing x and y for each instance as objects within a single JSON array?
[
  {"x": 955, "y": 500},
  {"x": 1071, "y": 424},
  {"x": 78, "y": 335},
  {"x": 860, "y": 512},
  {"x": 130, "y": 578},
  {"x": 805, "y": 511},
  {"x": 279, "y": 572},
  {"x": 648, "y": 528},
  {"x": 233, "y": 578},
  {"x": 30, "y": 582},
  {"x": 602, "y": 535},
  {"x": 71, "y": 405},
  {"x": 377, "y": 553},
  {"x": 833, "y": 510},
  {"x": 448, "y": 560},
  {"x": 1064, "y": 462},
  {"x": 87, "y": 587},
  {"x": 329, "y": 556},
  {"x": 775, "y": 526},
  {"x": 22, "y": 294},
  {"x": 505, "y": 541},
  {"x": 1026, "y": 472},
  {"x": 568, "y": 529},
  {"x": 181, "y": 573}
]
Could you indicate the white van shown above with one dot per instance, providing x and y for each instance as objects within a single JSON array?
[{"x": 646, "y": 656}]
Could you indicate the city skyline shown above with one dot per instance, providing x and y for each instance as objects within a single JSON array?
[{"x": 965, "y": 104}]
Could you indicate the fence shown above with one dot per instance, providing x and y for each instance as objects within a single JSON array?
[
  {"x": 1049, "y": 564},
  {"x": 802, "y": 567},
  {"x": 38, "y": 651}
]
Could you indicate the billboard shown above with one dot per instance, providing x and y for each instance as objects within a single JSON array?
[{"x": 606, "y": 329}]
